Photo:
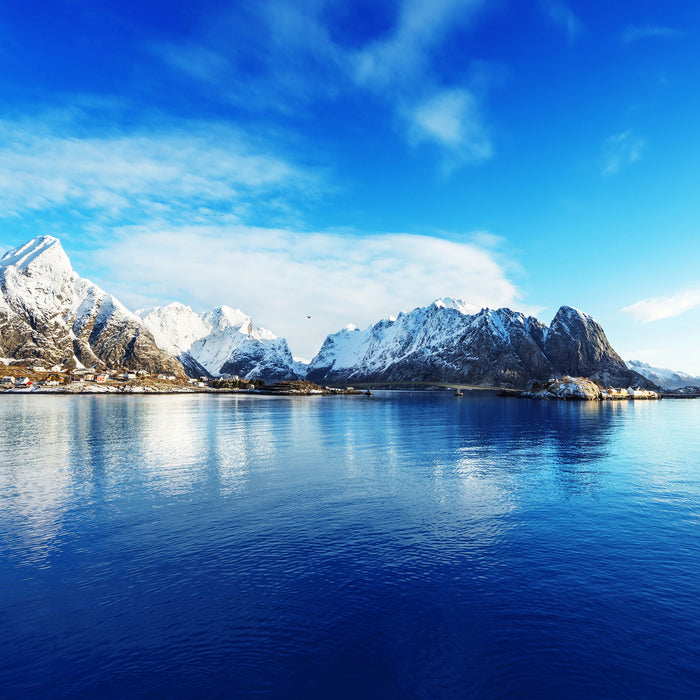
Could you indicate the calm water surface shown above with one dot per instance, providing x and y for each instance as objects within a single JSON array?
[{"x": 403, "y": 546}]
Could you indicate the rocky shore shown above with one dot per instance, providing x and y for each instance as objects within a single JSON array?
[{"x": 582, "y": 389}]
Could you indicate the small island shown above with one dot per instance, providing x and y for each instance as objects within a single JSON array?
[{"x": 583, "y": 389}]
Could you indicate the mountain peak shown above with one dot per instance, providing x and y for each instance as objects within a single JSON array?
[
  {"x": 49, "y": 313},
  {"x": 43, "y": 252},
  {"x": 226, "y": 317},
  {"x": 458, "y": 304},
  {"x": 569, "y": 312}
]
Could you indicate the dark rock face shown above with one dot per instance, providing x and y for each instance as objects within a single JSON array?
[
  {"x": 490, "y": 348},
  {"x": 257, "y": 360},
  {"x": 576, "y": 345},
  {"x": 25, "y": 339},
  {"x": 192, "y": 367}
]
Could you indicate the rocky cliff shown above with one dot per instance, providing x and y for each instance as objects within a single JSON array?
[{"x": 444, "y": 342}]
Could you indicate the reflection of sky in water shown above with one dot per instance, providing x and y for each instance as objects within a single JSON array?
[
  {"x": 420, "y": 536},
  {"x": 34, "y": 478},
  {"x": 398, "y": 454}
]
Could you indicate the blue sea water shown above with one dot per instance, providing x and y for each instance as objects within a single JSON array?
[{"x": 411, "y": 545}]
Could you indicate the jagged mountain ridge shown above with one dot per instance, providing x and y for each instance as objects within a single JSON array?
[
  {"x": 220, "y": 342},
  {"x": 444, "y": 342},
  {"x": 49, "y": 313},
  {"x": 666, "y": 378}
]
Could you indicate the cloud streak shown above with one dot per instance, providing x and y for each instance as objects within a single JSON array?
[
  {"x": 282, "y": 277},
  {"x": 638, "y": 32},
  {"x": 148, "y": 173},
  {"x": 452, "y": 119},
  {"x": 301, "y": 62},
  {"x": 562, "y": 16},
  {"x": 619, "y": 151},
  {"x": 659, "y": 308}
]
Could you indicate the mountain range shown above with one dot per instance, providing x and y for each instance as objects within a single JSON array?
[
  {"x": 49, "y": 313},
  {"x": 449, "y": 341},
  {"x": 666, "y": 378}
]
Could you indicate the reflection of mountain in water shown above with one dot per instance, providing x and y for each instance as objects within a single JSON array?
[{"x": 504, "y": 441}]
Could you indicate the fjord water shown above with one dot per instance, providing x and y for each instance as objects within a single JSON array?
[{"x": 411, "y": 545}]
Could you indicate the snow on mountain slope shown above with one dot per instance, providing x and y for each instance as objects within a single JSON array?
[
  {"x": 667, "y": 378},
  {"x": 439, "y": 342},
  {"x": 221, "y": 341},
  {"x": 49, "y": 313},
  {"x": 461, "y": 306},
  {"x": 445, "y": 341},
  {"x": 175, "y": 326}
]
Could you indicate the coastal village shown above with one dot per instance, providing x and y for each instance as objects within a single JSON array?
[
  {"x": 18, "y": 377},
  {"x": 34, "y": 378},
  {"x": 24, "y": 377}
]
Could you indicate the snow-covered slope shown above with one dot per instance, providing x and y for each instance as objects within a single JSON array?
[
  {"x": 667, "y": 378},
  {"x": 175, "y": 326},
  {"x": 49, "y": 313},
  {"x": 447, "y": 341},
  {"x": 221, "y": 341}
]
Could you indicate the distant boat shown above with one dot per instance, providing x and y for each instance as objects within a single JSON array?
[
  {"x": 459, "y": 392},
  {"x": 368, "y": 392}
]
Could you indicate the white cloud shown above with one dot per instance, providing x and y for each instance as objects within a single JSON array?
[
  {"x": 452, "y": 119},
  {"x": 282, "y": 277},
  {"x": 658, "y": 308},
  {"x": 621, "y": 150},
  {"x": 563, "y": 16},
  {"x": 647, "y": 31},
  {"x": 196, "y": 166}
]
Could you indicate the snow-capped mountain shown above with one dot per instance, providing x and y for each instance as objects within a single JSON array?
[
  {"x": 666, "y": 378},
  {"x": 449, "y": 341},
  {"x": 218, "y": 342},
  {"x": 49, "y": 313}
]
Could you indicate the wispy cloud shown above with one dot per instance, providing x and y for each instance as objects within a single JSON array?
[
  {"x": 452, "y": 119},
  {"x": 648, "y": 31},
  {"x": 149, "y": 172},
  {"x": 282, "y": 277},
  {"x": 658, "y": 308},
  {"x": 562, "y": 15},
  {"x": 297, "y": 60},
  {"x": 405, "y": 52},
  {"x": 621, "y": 150}
]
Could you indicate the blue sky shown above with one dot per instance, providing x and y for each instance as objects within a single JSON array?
[{"x": 348, "y": 160}]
